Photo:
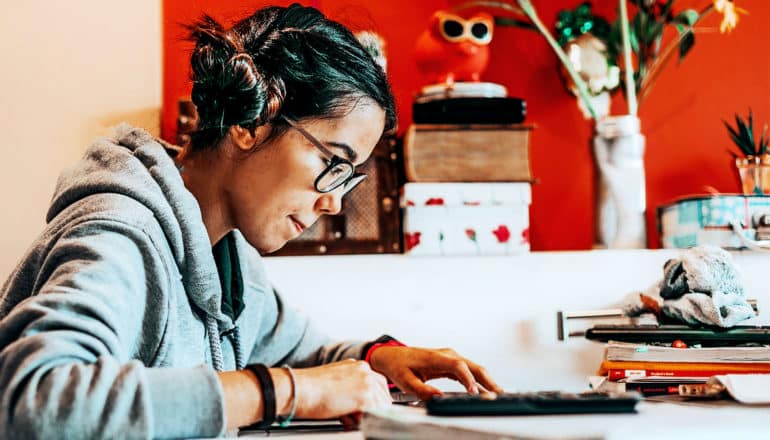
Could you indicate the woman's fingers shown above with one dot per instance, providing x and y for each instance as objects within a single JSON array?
[
  {"x": 414, "y": 366},
  {"x": 460, "y": 370},
  {"x": 410, "y": 383},
  {"x": 483, "y": 377},
  {"x": 351, "y": 421},
  {"x": 473, "y": 376}
]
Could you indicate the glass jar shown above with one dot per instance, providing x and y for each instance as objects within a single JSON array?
[
  {"x": 755, "y": 174},
  {"x": 620, "y": 191}
]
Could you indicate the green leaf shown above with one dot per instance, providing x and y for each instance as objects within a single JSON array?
[
  {"x": 745, "y": 131},
  {"x": 633, "y": 39},
  {"x": 737, "y": 138},
  {"x": 667, "y": 9},
  {"x": 688, "y": 41},
  {"x": 658, "y": 42},
  {"x": 750, "y": 129},
  {"x": 654, "y": 31},
  {"x": 638, "y": 25},
  {"x": 688, "y": 17}
]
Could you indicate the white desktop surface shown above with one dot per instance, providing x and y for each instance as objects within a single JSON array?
[
  {"x": 501, "y": 312},
  {"x": 654, "y": 420},
  {"x": 497, "y": 311},
  {"x": 718, "y": 420}
]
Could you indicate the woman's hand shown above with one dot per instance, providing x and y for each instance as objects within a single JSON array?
[
  {"x": 340, "y": 389},
  {"x": 409, "y": 367}
]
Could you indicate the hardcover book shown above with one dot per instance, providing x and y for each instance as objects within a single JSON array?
[
  {"x": 616, "y": 370},
  {"x": 623, "y": 351},
  {"x": 467, "y": 153}
]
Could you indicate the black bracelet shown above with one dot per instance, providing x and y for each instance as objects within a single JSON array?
[{"x": 268, "y": 394}]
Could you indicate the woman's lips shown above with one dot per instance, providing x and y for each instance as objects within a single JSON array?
[{"x": 297, "y": 224}]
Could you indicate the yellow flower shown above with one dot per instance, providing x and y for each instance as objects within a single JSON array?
[{"x": 729, "y": 14}]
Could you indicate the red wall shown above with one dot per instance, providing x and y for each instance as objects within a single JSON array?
[{"x": 686, "y": 142}]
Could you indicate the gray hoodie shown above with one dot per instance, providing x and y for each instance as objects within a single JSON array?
[{"x": 111, "y": 326}]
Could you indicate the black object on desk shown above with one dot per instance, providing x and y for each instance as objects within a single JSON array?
[
  {"x": 296, "y": 427},
  {"x": 479, "y": 110},
  {"x": 535, "y": 403},
  {"x": 706, "y": 336}
]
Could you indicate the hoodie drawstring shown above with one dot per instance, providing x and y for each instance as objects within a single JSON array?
[
  {"x": 215, "y": 345},
  {"x": 235, "y": 338},
  {"x": 212, "y": 327}
]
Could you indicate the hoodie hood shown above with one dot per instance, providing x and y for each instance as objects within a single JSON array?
[{"x": 134, "y": 164}]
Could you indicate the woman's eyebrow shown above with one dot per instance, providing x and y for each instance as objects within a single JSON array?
[{"x": 350, "y": 153}]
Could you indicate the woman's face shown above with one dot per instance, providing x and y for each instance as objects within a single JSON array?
[{"x": 270, "y": 193}]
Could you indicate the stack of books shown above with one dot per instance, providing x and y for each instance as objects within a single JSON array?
[
  {"x": 468, "y": 186},
  {"x": 653, "y": 369}
]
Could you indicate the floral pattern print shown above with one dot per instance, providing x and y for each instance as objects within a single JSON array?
[
  {"x": 502, "y": 233},
  {"x": 411, "y": 239}
]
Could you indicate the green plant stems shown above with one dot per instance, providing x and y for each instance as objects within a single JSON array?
[
  {"x": 629, "y": 70},
  {"x": 529, "y": 10},
  {"x": 657, "y": 66}
]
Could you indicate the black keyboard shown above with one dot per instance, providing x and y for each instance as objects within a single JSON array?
[{"x": 541, "y": 402}]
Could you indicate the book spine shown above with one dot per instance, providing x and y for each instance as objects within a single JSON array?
[
  {"x": 648, "y": 389},
  {"x": 621, "y": 373}
]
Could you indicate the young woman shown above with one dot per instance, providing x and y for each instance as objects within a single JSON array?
[{"x": 143, "y": 309}]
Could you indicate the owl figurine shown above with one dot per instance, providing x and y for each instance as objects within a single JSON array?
[{"x": 453, "y": 48}]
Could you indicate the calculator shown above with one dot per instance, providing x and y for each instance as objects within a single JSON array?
[{"x": 533, "y": 403}]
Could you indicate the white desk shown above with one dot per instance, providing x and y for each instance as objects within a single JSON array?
[
  {"x": 498, "y": 311},
  {"x": 501, "y": 312},
  {"x": 654, "y": 420}
]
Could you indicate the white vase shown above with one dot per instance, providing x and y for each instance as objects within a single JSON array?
[{"x": 620, "y": 196}]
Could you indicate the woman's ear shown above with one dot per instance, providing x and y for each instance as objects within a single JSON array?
[{"x": 247, "y": 139}]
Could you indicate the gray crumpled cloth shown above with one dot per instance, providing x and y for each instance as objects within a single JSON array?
[{"x": 702, "y": 286}]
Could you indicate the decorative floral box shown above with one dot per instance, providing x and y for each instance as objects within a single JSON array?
[
  {"x": 466, "y": 218},
  {"x": 694, "y": 221}
]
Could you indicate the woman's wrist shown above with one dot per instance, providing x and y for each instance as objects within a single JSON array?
[
  {"x": 241, "y": 407},
  {"x": 305, "y": 393},
  {"x": 244, "y": 401},
  {"x": 371, "y": 355}
]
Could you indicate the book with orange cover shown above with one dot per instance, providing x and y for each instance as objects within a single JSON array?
[{"x": 616, "y": 370}]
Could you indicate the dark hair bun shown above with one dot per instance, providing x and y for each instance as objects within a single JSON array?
[
  {"x": 228, "y": 89},
  {"x": 289, "y": 61}
]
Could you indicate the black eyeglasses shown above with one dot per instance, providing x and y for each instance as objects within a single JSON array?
[{"x": 338, "y": 172}]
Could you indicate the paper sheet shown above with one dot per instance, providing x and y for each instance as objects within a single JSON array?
[{"x": 747, "y": 388}]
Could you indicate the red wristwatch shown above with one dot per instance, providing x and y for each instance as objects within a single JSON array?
[
  {"x": 382, "y": 341},
  {"x": 375, "y": 346}
]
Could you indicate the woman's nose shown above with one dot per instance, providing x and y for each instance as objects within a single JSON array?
[{"x": 330, "y": 203}]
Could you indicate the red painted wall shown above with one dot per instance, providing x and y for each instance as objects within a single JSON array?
[{"x": 686, "y": 142}]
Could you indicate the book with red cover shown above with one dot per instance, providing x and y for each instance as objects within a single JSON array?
[
  {"x": 651, "y": 389},
  {"x": 616, "y": 370},
  {"x": 655, "y": 386}
]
